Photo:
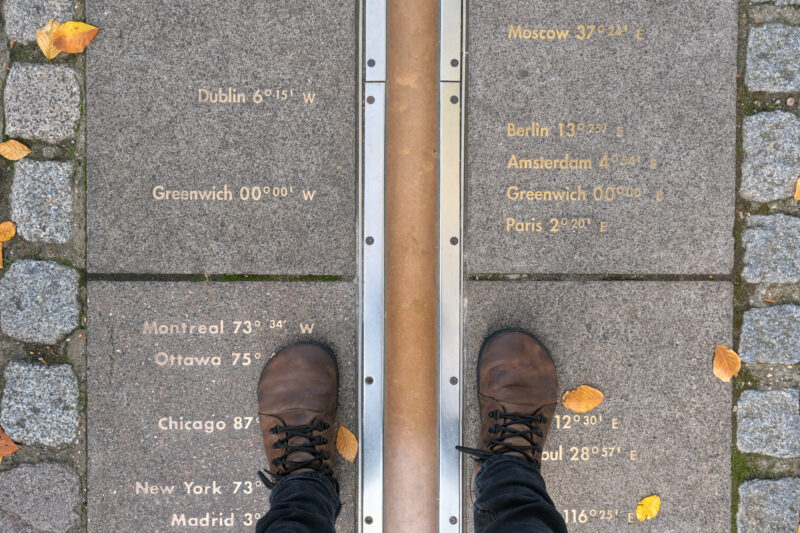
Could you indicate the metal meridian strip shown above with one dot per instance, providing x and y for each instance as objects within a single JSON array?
[
  {"x": 450, "y": 263},
  {"x": 375, "y": 40},
  {"x": 372, "y": 382},
  {"x": 373, "y": 106}
]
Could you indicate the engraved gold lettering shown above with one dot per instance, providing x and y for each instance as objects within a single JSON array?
[{"x": 542, "y": 163}]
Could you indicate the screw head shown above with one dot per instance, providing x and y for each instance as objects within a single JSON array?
[
  {"x": 370, "y": 240},
  {"x": 454, "y": 99},
  {"x": 454, "y": 62},
  {"x": 371, "y": 63}
]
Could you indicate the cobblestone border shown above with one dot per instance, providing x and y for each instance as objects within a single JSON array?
[
  {"x": 766, "y": 417},
  {"x": 48, "y": 355}
]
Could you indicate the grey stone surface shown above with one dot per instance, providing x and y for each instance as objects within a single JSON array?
[
  {"x": 772, "y": 58},
  {"x": 671, "y": 93},
  {"x": 40, "y": 403},
  {"x": 136, "y": 380},
  {"x": 771, "y": 249},
  {"x": 648, "y": 346},
  {"x": 771, "y": 335},
  {"x": 769, "y": 423},
  {"x": 41, "y": 200},
  {"x": 772, "y": 161},
  {"x": 24, "y": 17},
  {"x": 38, "y": 301},
  {"x": 769, "y": 506},
  {"x": 777, "y": 2},
  {"x": 42, "y": 102},
  {"x": 149, "y": 132},
  {"x": 39, "y": 498}
]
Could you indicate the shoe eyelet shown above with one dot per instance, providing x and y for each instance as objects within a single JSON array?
[
  {"x": 275, "y": 446},
  {"x": 274, "y": 462}
]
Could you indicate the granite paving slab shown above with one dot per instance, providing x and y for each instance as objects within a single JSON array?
[
  {"x": 221, "y": 137},
  {"x": 665, "y": 426},
  {"x": 173, "y": 432},
  {"x": 600, "y": 137}
]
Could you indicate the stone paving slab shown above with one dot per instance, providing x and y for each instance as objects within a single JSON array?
[
  {"x": 772, "y": 162},
  {"x": 769, "y": 423},
  {"x": 144, "y": 385},
  {"x": 222, "y": 137},
  {"x": 40, "y": 498},
  {"x": 771, "y": 335},
  {"x": 665, "y": 425},
  {"x": 771, "y": 249},
  {"x": 40, "y": 403},
  {"x": 772, "y": 58},
  {"x": 41, "y": 200},
  {"x": 600, "y": 137},
  {"x": 42, "y": 102},
  {"x": 24, "y": 17},
  {"x": 769, "y": 506}
]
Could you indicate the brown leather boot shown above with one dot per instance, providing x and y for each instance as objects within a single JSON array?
[
  {"x": 518, "y": 391},
  {"x": 297, "y": 397}
]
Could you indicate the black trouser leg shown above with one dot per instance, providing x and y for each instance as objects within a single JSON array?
[
  {"x": 512, "y": 497},
  {"x": 302, "y": 503}
]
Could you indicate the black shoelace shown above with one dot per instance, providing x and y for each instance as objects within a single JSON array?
[
  {"x": 285, "y": 466},
  {"x": 499, "y": 445}
]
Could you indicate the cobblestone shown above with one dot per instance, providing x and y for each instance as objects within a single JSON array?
[
  {"x": 38, "y": 301},
  {"x": 771, "y": 335},
  {"x": 772, "y": 161},
  {"x": 769, "y": 506},
  {"x": 42, "y": 102},
  {"x": 772, "y": 64},
  {"x": 40, "y": 404},
  {"x": 41, "y": 200},
  {"x": 772, "y": 249},
  {"x": 769, "y": 423},
  {"x": 39, "y": 498},
  {"x": 24, "y": 17}
]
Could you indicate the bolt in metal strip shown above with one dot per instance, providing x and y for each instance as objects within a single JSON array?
[
  {"x": 450, "y": 284},
  {"x": 370, "y": 515},
  {"x": 451, "y": 13},
  {"x": 375, "y": 40}
]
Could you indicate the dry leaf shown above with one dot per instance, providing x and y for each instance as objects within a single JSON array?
[
  {"x": 797, "y": 199},
  {"x": 726, "y": 363},
  {"x": 648, "y": 508},
  {"x": 7, "y": 231},
  {"x": 582, "y": 399},
  {"x": 73, "y": 37},
  {"x": 768, "y": 300},
  {"x": 7, "y": 446},
  {"x": 347, "y": 444},
  {"x": 11, "y": 44},
  {"x": 44, "y": 38},
  {"x": 13, "y": 150}
]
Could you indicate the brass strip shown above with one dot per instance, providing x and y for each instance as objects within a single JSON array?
[{"x": 410, "y": 421}]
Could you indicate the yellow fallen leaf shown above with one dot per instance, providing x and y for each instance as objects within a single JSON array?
[
  {"x": 44, "y": 38},
  {"x": 347, "y": 444},
  {"x": 13, "y": 150},
  {"x": 582, "y": 399},
  {"x": 7, "y": 232},
  {"x": 797, "y": 198},
  {"x": 73, "y": 37},
  {"x": 726, "y": 363},
  {"x": 648, "y": 508},
  {"x": 7, "y": 446}
]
